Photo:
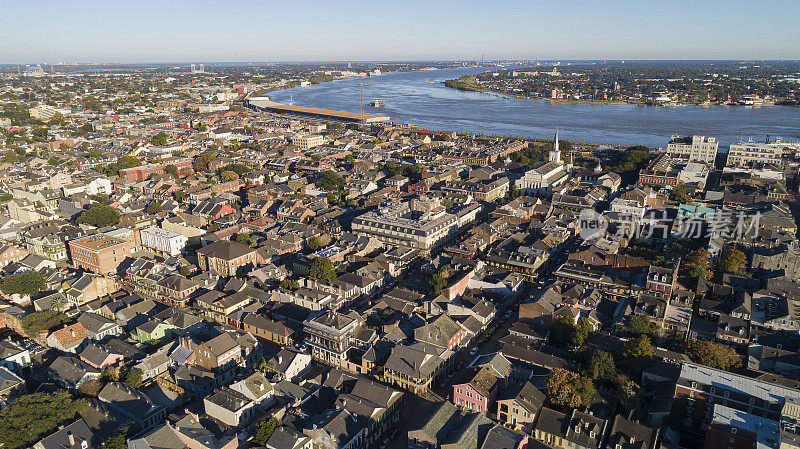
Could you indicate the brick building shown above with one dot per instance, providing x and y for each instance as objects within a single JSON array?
[{"x": 99, "y": 253}]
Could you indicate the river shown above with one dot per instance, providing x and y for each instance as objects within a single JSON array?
[{"x": 411, "y": 97}]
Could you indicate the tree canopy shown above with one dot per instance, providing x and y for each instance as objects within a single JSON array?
[
  {"x": 601, "y": 366},
  {"x": 27, "y": 283},
  {"x": 99, "y": 215},
  {"x": 640, "y": 325},
  {"x": 228, "y": 175},
  {"x": 34, "y": 416},
  {"x": 159, "y": 139},
  {"x": 568, "y": 334},
  {"x": 732, "y": 261},
  {"x": 172, "y": 169},
  {"x": 330, "y": 181},
  {"x": 200, "y": 163},
  {"x": 713, "y": 354},
  {"x": 265, "y": 430},
  {"x": 566, "y": 389},
  {"x": 680, "y": 195},
  {"x": 322, "y": 268},
  {"x": 637, "y": 353}
]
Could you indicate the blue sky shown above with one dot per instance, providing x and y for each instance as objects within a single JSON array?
[{"x": 35, "y": 31}]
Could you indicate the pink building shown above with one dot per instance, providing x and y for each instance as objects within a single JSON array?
[{"x": 479, "y": 393}]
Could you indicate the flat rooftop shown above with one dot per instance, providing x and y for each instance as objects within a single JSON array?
[
  {"x": 324, "y": 113},
  {"x": 97, "y": 242}
]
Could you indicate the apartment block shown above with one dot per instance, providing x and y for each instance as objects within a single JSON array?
[{"x": 99, "y": 253}]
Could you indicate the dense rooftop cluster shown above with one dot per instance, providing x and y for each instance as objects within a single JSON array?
[{"x": 178, "y": 270}]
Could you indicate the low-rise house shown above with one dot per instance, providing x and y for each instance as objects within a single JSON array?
[
  {"x": 416, "y": 367},
  {"x": 11, "y": 385},
  {"x": 152, "y": 331},
  {"x": 71, "y": 338},
  {"x": 346, "y": 430},
  {"x": 98, "y": 357},
  {"x": 13, "y": 356},
  {"x": 480, "y": 392},
  {"x": 74, "y": 436},
  {"x": 132, "y": 404},
  {"x": 270, "y": 330},
  {"x": 288, "y": 438},
  {"x": 71, "y": 372},
  {"x": 289, "y": 364},
  {"x": 98, "y": 327},
  {"x": 257, "y": 388},
  {"x": 230, "y": 407},
  {"x": 447, "y": 427},
  {"x": 226, "y": 257},
  {"x": 576, "y": 430},
  {"x": 519, "y": 405},
  {"x": 627, "y": 434}
]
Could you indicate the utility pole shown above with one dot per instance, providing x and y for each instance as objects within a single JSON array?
[{"x": 361, "y": 99}]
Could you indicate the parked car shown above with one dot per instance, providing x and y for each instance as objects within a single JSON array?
[{"x": 473, "y": 351}]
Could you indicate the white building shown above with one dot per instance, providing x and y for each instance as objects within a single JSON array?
[
  {"x": 99, "y": 185},
  {"x": 628, "y": 207},
  {"x": 43, "y": 112},
  {"x": 543, "y": 179},
  {"x": 163, "y": 241},
  {"x": 694, "y": 148},
  {"x": 693, "y": 172},
  {"x": 307, "y": 141},
  {"x": 753, "y": 155}
]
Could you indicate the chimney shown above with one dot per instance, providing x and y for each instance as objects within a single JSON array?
[
  {"x": 71, "y": 438},
  {"x": 72, "y": 331}
]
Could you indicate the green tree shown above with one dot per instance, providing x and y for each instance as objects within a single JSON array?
[
  {"x": 568, "y": 390},
  {"x": 680, "y": 195},
  {"x": 289, "y": 284},
  {"x": 159, "y": 139},
  {"x": 34, "y": 416},
  {"x": 329, "y": 181},
  {"x": 228, "y": 176},
  {"x": 732, "y": 261},
  {"x": 99, "y": 215},
  {"x": 185, "y": 271},
  {"x": 53, "y": 160},
  {"x": 179, "y": 195},
  {"x": 200, "y": 163},
  {"x": 440, "y": 280},
  {"x": 628, "y": 395},
  {"x": 640, "y": 325},
  {"x": 601, "y": 366},
  {"x": 567, "y": 334},
  {"x": 712, "y": 354},
  {"x": 172, "y": 169},
  {"x": 265, "y": 430},
  {"x": 239, "y": 169},
  {"x": 35, "y": 322},
  {"x": 119, "y": 439},
  {"x": 698, "y": 263},
  {"x": 154, "y": 208},
  {"x": 637, "y": 354},
  {"x": 245, "y": 239},
  {"x": 58, "y": 119},
  {"x": 322, "y": 268},
  {"x": 27, "y": 283},
  {"x": 133, "y": 377}
]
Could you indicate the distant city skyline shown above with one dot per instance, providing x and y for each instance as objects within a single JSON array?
[{"x": 86, "y": 31}]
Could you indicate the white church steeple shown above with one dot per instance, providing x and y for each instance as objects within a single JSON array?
[{"x": 555, "y": 155}]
